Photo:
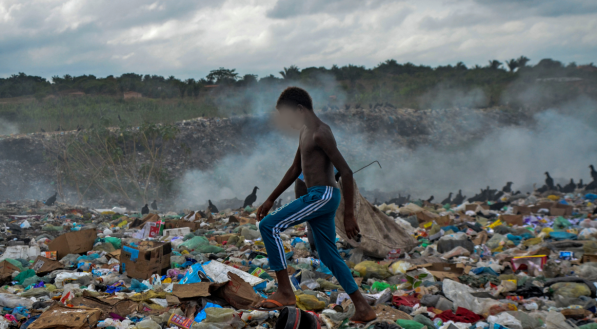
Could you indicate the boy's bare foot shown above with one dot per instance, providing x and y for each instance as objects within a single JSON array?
[
  {"x": 280, "y": 297},
  {"x": 363, "y": 311},
  {"x": 364, "y": 315}
]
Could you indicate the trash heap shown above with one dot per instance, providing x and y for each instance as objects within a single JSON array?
[{"x": 525, "y": 262}]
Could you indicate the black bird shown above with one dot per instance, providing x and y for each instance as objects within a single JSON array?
[
  {"x": 593, "y": 173},
  {"x": 543, "y": 189},
  {"x": 145, "y": 210},
  {"x": 458, "y": 199},
  {"x": 212, "y": 207},
  {"x": 202, "y": 214},
  {"x": 549, "y": 181},
  {"x": 447, "y": 200},
  {"x": 559, "y": 188},
  {"x": 154, "y": 205},
  {"x": 430, "y": 199},
  {"x": 580, "y": 184},
  {"x": 251, "y": 198},
  {"x": 507, "y": 188},
  {"x": 517, "y": 193},
  {"x": 59, "y": 128},
  {"x": 42, "y": 130},
  {"x": 570, "y": 187},
  {"x": 79, "y": 128},
  {"x": 119, "y": 119},
  {"x": 51, "y": 200},
  {"x": 591, "y": 186}
]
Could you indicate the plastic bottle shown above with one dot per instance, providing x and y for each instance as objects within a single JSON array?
[
  {"x": 257, "y": 316},
  {"x": 438, "y": 322},
  {"x": 309, "y": 261},
  {"x": 82, "y": 278}
]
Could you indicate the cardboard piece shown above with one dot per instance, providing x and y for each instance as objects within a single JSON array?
[
  {"x": 522, "y": 210},
  {"x": 139, "y": 222},
  {"x": 6, "y": 271},
  {"x": 246, "y": 220},
  {"x": 445, "y": 271},
  {"x": 588, "y": 258},
  {"x": 172, "y": 300},
  {"x": 561, "y": 210},
  {"x": 512, "y": 219},
  {"x": 471, "y": 207},
  {"x": 60, "y": 316},
  {"x": 224, "y": 237},
  {"x": 239, "y": 293},
  {"x": 44, "y": 265},
  {"x": 481, "y": 238},
  {"x": 444, "y": 220},
  {"x": 114, "y": 254},
  {"x": 122, "y": 307},
  {"x": 190, "y": 290},
  {"x": 426, "y": 216},
  {"x": 146, "y": 259},
  {"x": 76, "y": 242}
]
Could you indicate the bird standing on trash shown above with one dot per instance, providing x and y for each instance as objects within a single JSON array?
[
  {"x": 51, "y": 200},
  {"x": 507, "y": 188},
  {"x": 145, "y": 210},
  {"x": 430, "y": 199},
  {"x": 447, "y": 200},
  {"x": 593, "y": 172},
  {"x": 549, "y": 181},
  {"x": 458, "y": 199},
  {"x": 251, "y": 198},
  {"x": 212, "y": 208},
  {"x": 154, "y": 205}
]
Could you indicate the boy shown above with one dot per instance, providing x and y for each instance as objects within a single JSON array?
[{"x": 316, "y": 158}]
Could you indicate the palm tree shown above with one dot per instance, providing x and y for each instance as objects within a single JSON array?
[
  {"x": 522, "y": 61},
  {"x": 291, "y": 73},
  {"x": 495, "y": 64},
  {"x": 512, "y": 64}
]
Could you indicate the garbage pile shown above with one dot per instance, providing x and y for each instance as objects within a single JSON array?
[{"x": 522, "y": 263}]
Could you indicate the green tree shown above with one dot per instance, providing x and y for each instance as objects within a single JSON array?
[
  {"x": 522, "y": 61},
  {"x": 222, "y": 75},
  {"x": 512, "y": 64},
  {"x": 291, "y": 73},
  {"x": 495, "y": 64}
]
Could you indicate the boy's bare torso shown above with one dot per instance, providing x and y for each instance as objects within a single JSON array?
[{"x": 317, "y": 167}]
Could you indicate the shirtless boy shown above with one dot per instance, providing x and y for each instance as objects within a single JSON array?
[{"x": 316, "y": 157}]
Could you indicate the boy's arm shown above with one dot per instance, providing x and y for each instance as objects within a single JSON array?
[
  {"x": 325, "y": 140},
  {"x": 291, "y": 175}
]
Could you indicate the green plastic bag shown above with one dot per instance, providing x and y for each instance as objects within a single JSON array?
[
  {"x": 24, "y": 275},
  {"x": 409, "y": 324},
  {"x": 561, "y": 223},
  {"x": 116, "y": 242},
  {"x": 194, "y": 242}
]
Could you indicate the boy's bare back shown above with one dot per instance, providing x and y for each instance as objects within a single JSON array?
[{"x": 317, "y": 166}]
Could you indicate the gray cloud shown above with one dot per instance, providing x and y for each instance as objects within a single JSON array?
[
  {"x": 189, "y": 38},
  {"x": 291, "y": 8}
]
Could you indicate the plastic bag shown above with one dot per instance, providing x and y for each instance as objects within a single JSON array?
[
  {"x": 220, "y": 318},
  {"x": 460, "y": 295},
  {"x": 587, "y": 271},
  {"x": 309, "y": 303},
  {"x": 399, "y": 267},
  {"x": 409, "y": 324},
  {"x": 571, "y": 289},
  {"x": 504, "y": 319},
  {"x": 194, "y": 243},
  {"x": 370, "y": 269}
]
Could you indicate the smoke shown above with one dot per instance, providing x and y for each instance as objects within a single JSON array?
[
  {"x": 557, "y": 140},
  {"x": 442, "y": 97},
  {"x": 258, "y": 99},
  {"x": 7, "y": 128}
]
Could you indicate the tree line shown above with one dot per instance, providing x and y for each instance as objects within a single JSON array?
[{"x": 389, "y": 79}]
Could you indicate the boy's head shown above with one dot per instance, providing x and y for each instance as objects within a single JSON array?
[{"x": 293, "y": 104}]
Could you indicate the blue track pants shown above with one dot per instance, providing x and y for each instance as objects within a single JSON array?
[{"x": 318, "y": 207}]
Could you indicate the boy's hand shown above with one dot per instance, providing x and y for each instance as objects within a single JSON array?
[
  {"x": 351, "y": 226},
  {"x": 264, "y": 209}
]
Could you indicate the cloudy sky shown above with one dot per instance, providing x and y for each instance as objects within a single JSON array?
[{"x": 188, "y": 38}]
